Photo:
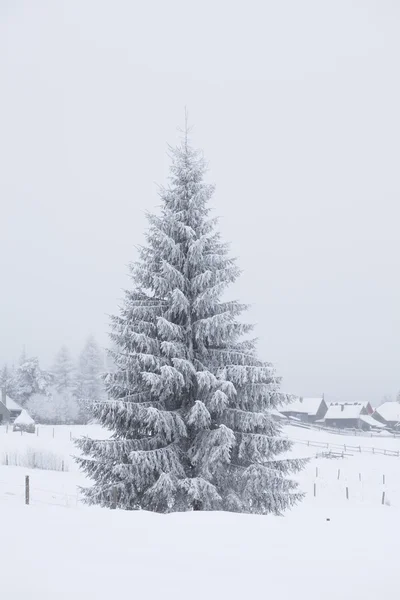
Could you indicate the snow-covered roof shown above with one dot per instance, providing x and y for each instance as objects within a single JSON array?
[
  {"x": 24, "y": 419},
  {"x": 390, "y": 411},
  {"x": 371, "y": 421},
  {"x": 307, "y": 406},
  {"x": 11, "y": 404},
  {"x": 345, "y": 410},
  {"x": 278, "y": 415}
]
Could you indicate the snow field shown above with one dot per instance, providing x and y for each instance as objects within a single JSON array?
[
  {"x": 102, "y": 554},
  {"x": 357, "y": 478},
  {"x": 49, "y": 448},
  {"x": 67, "y": 550}
]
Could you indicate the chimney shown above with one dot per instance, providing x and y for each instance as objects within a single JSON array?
[{"x": 4, "y": 396}]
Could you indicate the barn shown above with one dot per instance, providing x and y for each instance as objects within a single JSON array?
[
  {"x": 307, "y": 410},
  {"x": 349, "y": 415},
  {"x": 388, "y": 414}
]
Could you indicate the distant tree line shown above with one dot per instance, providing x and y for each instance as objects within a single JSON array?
[{"x": 62, "y": 394}]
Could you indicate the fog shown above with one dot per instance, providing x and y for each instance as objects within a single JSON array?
[{"x": 296, "y": 106}]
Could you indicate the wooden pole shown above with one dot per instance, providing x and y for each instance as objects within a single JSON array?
[
  {"x": 316, "y": 471},
  {"x": 114, "y": 498},
  {"x": 315, "y": 490},
  {"x": 53, "y": 431},
  {"x": 347, "y": 493},
  {"x": 383, "y": 497},
  {"x": 359, "y": 476},
  {"x": 383, "y": 479},
  {"x": 27, "y": 489},
  {"x": 338, "y": 474}
]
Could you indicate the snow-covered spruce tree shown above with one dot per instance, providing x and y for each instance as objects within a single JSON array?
[
  {"x": 63, "y": 370},
  {"x": 29, "y": 379},
  {"x": 188, "y": 405},
  {"x": 89, "y": 385},
  {"x": 7, "y": 381},
  {"x": 65, "y": 404}
]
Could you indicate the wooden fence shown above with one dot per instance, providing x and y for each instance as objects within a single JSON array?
[{"x": 344, "y": 448}]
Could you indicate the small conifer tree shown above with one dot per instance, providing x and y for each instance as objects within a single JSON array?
[
  {"x": 89, "y": 385},
  {"x": 63, "y": 370}
]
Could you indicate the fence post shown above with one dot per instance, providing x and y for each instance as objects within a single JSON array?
[
  {"x": 373, "y": 450},
  {"x": 21, "y": 431},
  {"x": 383, "y": 479},
  {"x": 383, "y": 497},
  {"x": 70, "y": 436},
  {"x": 6, "y": 459},
  {"x": 345, "y": 447},
  {"x": 315, "y": 490},
  {"x": 53, "y": 431},
  {"x": 62, "y": 466},
  {"x": 360, "y": 448},
  {"x": 338, "y": 474},
  {"x": 359, "y": 476},
  {"x": 114, "y": 498},
  {"x": 37, "y": 431},
  {"x": 347, "y": 493},
  {"x": 316, "y": 471},
  {"x": 27, "y": 489}
]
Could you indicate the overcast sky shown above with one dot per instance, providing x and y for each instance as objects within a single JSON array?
[{"x": 296, "y": 105}]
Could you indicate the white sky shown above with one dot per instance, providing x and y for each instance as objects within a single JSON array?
[{"x": 296, "y": 105}]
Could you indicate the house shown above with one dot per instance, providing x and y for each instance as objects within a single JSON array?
[
  {"x": 388, "y": 414},
  {"x": 9, "y": 409},
  {"x": 307, "y": 410},
  {"x": 349, "y": 415}
]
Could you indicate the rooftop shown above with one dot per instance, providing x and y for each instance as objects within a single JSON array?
[
  {"x": 307, "y": 406},
  {"x": 11, "y": 404},
  {"x": 345, "y": 410},
  {"x": 372, "y": 422},
  {"x": 390, "y": 411}
]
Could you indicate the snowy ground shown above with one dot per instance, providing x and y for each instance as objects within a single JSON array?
[{"x": 65, "y": 550}]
